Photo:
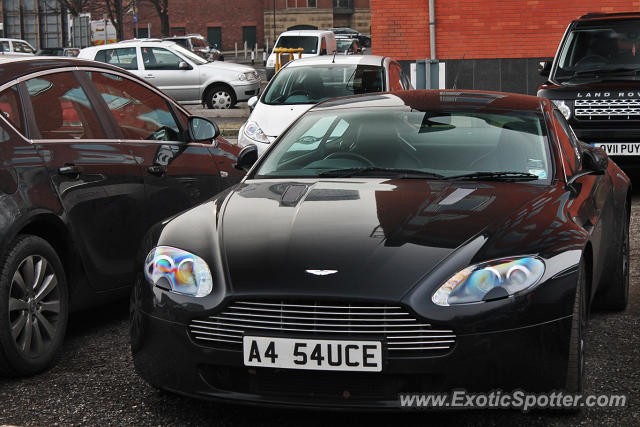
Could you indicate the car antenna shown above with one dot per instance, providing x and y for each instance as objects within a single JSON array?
[
  {"x": 455, "y": 81},
  {"x": 333, "y": 61}
]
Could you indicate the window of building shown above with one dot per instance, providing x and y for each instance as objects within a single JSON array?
[
  {"x": 214, "y": 37},
  {"x": 302, "y": 3}
]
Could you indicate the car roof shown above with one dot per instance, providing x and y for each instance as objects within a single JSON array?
[
  {"x": 437, "y": 100},
  {"x": 603, "y": 16},
  {"x": 339, "y": 59},
  {"x": 12, "y": 67},
  {"x": 305, "y": 33}
]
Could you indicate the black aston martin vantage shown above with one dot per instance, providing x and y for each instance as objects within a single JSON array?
[{"x": 414, "y": 241}]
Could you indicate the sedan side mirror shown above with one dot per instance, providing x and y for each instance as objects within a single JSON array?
[
  {"x": 252, "y": 102},
  {"x": 201, "y": 129},
  {"x": 594, "y": 159},
  {"x": 594, "y": 162},
  {"x": 544, "y": 68},
  {"x": 247, "y": 157},
  {"x": 184, "y": 66}
]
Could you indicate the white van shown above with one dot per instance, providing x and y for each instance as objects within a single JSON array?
[{"x": 314, "y": 43}]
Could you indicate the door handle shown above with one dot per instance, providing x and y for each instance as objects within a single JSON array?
[
  {"x": 149, "y": 76},
  {"x": 157, "y": 170},
  {"x": 69, "y": 170}
]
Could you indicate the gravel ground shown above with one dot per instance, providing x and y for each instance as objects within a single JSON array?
[{"x": 94, "y": 383}]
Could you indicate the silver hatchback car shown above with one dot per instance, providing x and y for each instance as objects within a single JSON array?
[{"x": 182, "y": 74}]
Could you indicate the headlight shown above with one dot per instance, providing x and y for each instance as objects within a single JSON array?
[
  {"x": 490, "y": 280},
  {"x": 563, "y": 107},
  {"x": 250, "y": 75},
  {"x": 271, "y": 63},
  {"x": 178, "y": 271},
  {"x": 253, "y": 131}
]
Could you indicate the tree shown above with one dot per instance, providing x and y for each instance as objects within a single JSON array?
[
  {"x": 162, "y": 8},
  {"x": 114, "y": 10},
  {"x": 75, "y": 7}
]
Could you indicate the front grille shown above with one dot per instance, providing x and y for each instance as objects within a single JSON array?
[
  {"x": 403, "y": 333},
  {"x": 607, "y": 109}
]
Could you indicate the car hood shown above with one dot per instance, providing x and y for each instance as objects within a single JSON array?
[
  {"x": 274, "y": 119},
  {"x": 357, "y": 238},
  {"x": 225, "y": 66},
  {"x": 590, "y": 90}
]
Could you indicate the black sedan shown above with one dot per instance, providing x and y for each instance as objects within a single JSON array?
[
  {"x": 90, "y": 158},
  {"x": 414, "y": 241}
]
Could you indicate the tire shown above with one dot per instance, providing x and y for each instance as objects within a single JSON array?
[
  {"x": 220, "y": 97},
  {"x": 575, "y": 365},
  {"x": 615, "y": 296},
  {"x": 33, "y": 319}
]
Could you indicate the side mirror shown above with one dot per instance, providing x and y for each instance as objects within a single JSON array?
[
  {"x": 252, "y": 102},
  {"x": 544, "y": 68},
  {"x": 595, "y": 159},
  {"x": 201, "y": 129},
  {"x": 247, "y": 157},
  {"x": 594, "y": 162},
  {"x": 184, "y": 66}
]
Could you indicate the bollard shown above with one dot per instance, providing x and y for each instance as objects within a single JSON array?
[
  {"x": 264, "y": 57},
  {"x": 253, "y": 58},
  {"x": 236, "y": 50},
  {"x": 245, "y": 49}
]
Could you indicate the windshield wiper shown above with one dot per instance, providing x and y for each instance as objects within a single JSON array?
[
  {"x": 496, "y": 176},
  {"x": 622, "y": 71},
  {"x": 373, "y": 170}
]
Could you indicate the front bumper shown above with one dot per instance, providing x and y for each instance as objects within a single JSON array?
[
  {"x": 532, "y": 358},
  {"x": 612, "y": 137},
  {"x": 246, "y": 89}
]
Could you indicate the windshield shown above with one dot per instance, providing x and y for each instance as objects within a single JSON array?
[
  {"x": 343, "y": 44},
  {"x": 187, "y": 53},
  {"x": 308, "y": 43},
  {"x": 381, "y": 141},
  {"x": 313, "y": 84},
  {"x": 615, "y": 47}
]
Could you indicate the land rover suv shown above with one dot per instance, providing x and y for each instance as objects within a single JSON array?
[{"x": 594, "y": 80}]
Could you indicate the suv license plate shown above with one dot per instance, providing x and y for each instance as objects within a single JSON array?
[
  {"x": 619, "y": 148},
  {"x": 323, "y": 355}
]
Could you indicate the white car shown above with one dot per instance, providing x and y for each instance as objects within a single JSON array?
[
  {"x": 302, "y": 83},
  {"x": 16, "y": 47},
  {"x": 314, "y": 43},
  {"x": 182, "y": 74}
]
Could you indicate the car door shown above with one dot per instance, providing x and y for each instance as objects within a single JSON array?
[
  {"x": 162, "y": 69},
  {"x": 178, "y": 174},
  {"x": 97, "y": 179}
]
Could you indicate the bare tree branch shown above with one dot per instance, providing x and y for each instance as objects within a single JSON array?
[
  {"x": 162, "y": 9},
  {"x": 75, "y": 7}
]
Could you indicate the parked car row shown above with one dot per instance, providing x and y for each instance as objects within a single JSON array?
[
  {"x": 406, "y": 240},
  {"x": 182, "y": 74}
]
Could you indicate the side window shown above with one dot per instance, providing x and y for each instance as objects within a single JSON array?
[
  {"x": 140, "y": 113},
  {"x": 395, "y": 81},
  {"x": 11, "y": 108},
  {"x": 157, "y": 58},
  {"x": 568, "y": 144},
  {"x": 4, "y": 46},
  {"x": 406, "y": 82},
  {"x": 21, "y": 47},
  {"x": 124, "y": 58},
  {"x": 62, "y": 109}
]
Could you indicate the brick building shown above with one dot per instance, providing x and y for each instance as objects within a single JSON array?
[
  {"x": 227, "y": 22},
  {"x": 491, "y": 45}
]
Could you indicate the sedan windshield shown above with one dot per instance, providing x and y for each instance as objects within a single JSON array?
[
  {"x": 367, "y": 142},
  {"x": 608, "y": 49},
  {"x": 313, "y": 84}
]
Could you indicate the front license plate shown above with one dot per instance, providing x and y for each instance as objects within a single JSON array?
[
  {"x": 323, "y": 355},
  {"x": 619, "y": 148}
]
